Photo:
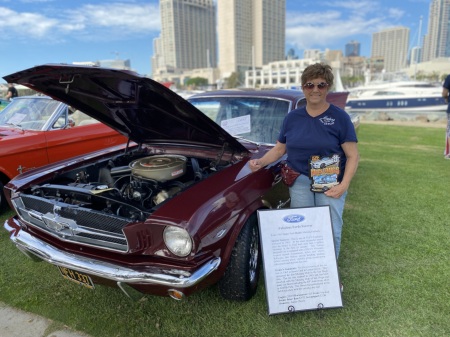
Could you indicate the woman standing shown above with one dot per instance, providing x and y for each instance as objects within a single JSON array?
[{"x": 315, "y": 131}]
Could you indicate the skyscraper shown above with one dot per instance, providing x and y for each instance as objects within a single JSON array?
[
  {"x": 352, "y": 49},
  {"x": 437, "y": 41},
  {"x": 250, "y": 33},
  {"x": 392, "y": 45},
  {"x": 188, "y": 34}
]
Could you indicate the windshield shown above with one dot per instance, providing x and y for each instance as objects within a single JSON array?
[
  {"x": 257, "y": 119},
  {"x": 28, "y": 113}
]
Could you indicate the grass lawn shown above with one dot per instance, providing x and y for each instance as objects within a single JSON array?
[{"x": 394, "y": 263}]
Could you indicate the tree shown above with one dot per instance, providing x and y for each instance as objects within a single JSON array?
[
  {"x": 352, "y": 81},
  {"x": 196, "y": 82},
  {"x": 232, "y": 81}
]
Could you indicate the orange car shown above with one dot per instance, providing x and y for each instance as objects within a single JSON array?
[{"x": 38, "y": 130}]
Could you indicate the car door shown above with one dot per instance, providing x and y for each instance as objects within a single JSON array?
[
  {"x": 76, "y": 133},
  {"x": 22, "y": 152}
]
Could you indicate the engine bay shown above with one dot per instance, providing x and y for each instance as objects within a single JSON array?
[{"x": 130, "y": 186}]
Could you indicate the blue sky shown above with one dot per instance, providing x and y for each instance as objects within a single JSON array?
[{"x": 34, "y": 32}]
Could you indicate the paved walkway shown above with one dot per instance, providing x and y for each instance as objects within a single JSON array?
[{"x": 18, "y": 323}]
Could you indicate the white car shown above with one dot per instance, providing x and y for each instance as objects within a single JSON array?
[{"x": 326, "y": 161}]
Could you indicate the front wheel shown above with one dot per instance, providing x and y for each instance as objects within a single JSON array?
[{"x": 240, "y": 280}]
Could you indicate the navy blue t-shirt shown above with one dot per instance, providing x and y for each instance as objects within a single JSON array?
[
  {"x": 323, "y": 135},
  {"x": 447, "y": 86}
]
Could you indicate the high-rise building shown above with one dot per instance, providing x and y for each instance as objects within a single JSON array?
[
  {"x": 116, "y": 64},
  {"x": 352, "y": 49},
  {"x": 188, "y": 35},
  {"x": 251, "y": 33},
  {"x": 312, "y": 54},
  {"x": 416, "y": 55},
  {"x": 392, "y": 45},
  {"x": 291, "y": 55},
  {"x": 437, "y": 41}
]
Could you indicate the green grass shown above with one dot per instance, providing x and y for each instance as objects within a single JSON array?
[{"x": 394, "y": 263}]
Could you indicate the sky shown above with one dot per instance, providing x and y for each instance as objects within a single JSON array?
[{"x": 35, "y": 32}]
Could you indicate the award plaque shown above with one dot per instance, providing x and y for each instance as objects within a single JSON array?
[{"x": 324, "y": 172}]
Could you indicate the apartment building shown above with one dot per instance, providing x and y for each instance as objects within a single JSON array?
[
  {"x": 188, "y": 37},
  {"x": 251, "y": 33},
  {"x": 392, "y": 45}
]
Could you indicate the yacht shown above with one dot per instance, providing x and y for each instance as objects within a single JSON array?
[{"x": 401, "y": 95}]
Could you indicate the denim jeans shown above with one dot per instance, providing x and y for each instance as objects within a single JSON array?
[{"x": 301, "y": 196}]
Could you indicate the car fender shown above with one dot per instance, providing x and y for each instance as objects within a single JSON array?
[{"x": 244, "y": 217}]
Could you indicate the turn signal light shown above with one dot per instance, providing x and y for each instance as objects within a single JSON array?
[{"x": 176, "y": 294}]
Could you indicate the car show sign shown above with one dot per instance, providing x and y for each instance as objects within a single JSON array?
[{"x": 299, "y": 259}]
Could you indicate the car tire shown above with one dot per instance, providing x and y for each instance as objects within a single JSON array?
[{"x": 241, "y": 277}]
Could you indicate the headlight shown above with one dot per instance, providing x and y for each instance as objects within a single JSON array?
[{"x": 177, "y": 240}]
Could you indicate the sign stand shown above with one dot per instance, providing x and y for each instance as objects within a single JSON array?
[{"x": 299, "y": 259}]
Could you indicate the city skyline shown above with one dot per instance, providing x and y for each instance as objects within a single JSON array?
[{"x": 34, "y": 32}]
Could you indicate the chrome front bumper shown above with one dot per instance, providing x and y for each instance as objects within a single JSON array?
[{"x": 37, "y": 249}]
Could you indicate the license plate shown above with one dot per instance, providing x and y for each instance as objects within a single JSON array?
[{"x": 77, "y": 277}]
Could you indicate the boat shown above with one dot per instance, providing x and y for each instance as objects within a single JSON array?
[
  {"x": 397, "y": 96},
  {"x": 395, "y": 92}
]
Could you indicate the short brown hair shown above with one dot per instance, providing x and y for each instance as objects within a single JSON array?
[{"x": 317, "y": 70}]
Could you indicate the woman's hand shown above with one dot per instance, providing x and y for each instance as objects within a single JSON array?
[
  {"x": 272, "y": 155},
  {"x": 352, "y": 154},
  {"x": 254, "y": 165},
  {"x": 336, "y": 191}
]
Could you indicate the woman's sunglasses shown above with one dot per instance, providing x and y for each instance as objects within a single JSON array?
[{"x": 310, "y": 86}]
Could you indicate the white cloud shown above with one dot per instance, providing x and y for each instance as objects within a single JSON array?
[
  {"x": 24, "y": 24},
  {"x": 340, "y": 24},
  {"x": 112, "y": 21},
  {"x": 396, "y": 13},
  {"x": 131, "y": 17}
]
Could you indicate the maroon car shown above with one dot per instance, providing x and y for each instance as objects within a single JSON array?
[{"x": 168, "y": 216}]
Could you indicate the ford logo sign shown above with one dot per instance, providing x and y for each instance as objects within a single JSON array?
[{"x": 291, "y": 218}]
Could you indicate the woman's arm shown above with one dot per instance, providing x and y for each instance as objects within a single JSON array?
[
  {"x": 445, "y": 94},
  {"x": 272, "y": 155},
  {"x": 352, "y": 154}
]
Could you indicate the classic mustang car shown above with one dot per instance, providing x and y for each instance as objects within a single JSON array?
[
  {"x": 37, "y": 130},
  {"x": 171, "y": 214}
]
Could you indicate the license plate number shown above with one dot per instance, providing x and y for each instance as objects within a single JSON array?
[{"x": 77, "y": 277}]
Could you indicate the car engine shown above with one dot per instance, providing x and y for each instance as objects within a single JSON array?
[{"x": 128, "y": 186}]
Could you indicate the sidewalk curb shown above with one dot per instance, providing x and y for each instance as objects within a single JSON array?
[{"x": 18, "y": 323}]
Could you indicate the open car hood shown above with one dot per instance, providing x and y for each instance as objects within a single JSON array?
[{"x": 143, "y": 110}]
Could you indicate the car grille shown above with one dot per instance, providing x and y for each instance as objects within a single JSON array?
[{"x": 73, "y": 223}]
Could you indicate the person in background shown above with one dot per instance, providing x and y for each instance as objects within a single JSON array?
[
  {"x": 11, "y": 93},
  {"x": 445, "y": 94},
  {"x": 318, "y": 129}
]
